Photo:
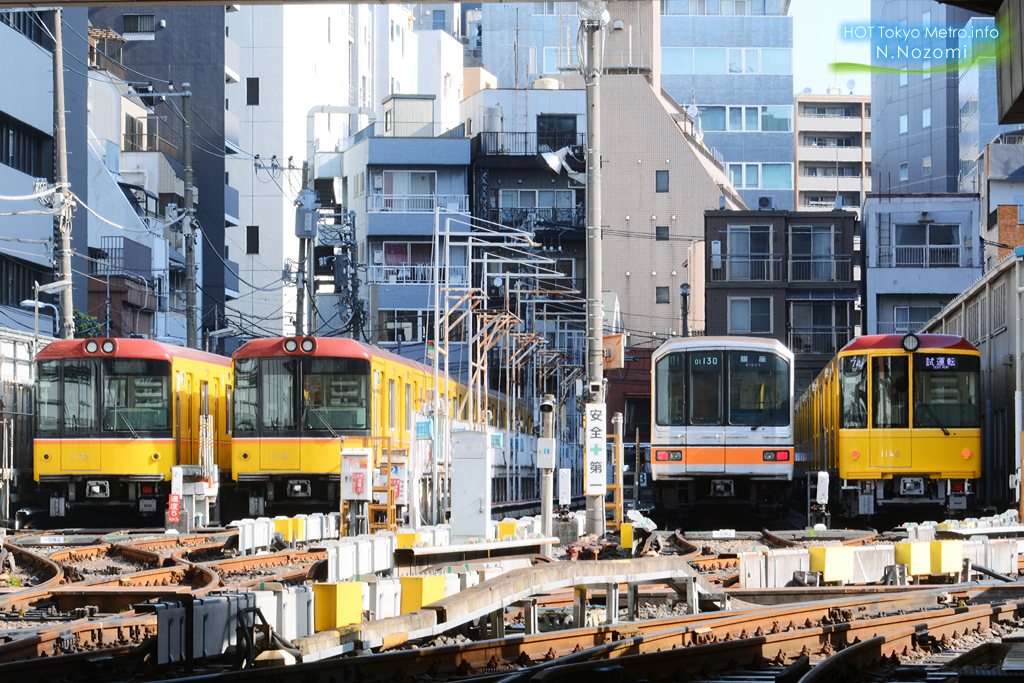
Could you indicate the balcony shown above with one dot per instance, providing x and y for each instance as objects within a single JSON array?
[
  {"x": 812, "y": 153},
  {"x": 562, "y": 216},
  {"x": 925, "y": 257},
  {"x": 231, "y": 280},
  {"x": 827, "y": 340},
  {"x": 414, "y": 274},
  {"x": 148, "y": 142},
  {"x": 526, "y": 144},
  {"x": 417, "y": 203},
  {"x": 904, "y": 327},
  {"x": 825, "y": 268},
  {"x": 747, "y": 268},
  {"x": 231, "y": 129},
  {"x": 230, "y": 205},
  {"x": 826, "y": 184},
  {"x": 101, "y": 62},
  {"x": 232, "y": 60},
  {"x": 829, "y": 124}
]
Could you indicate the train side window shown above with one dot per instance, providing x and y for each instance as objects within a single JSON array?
[
  {"x": 854, "y": 392},
  {"x": 229, "y": 414},
  {"x": 890, "y": 387},
  {"x": 670, "y": 381},
  {"x": 408, "y": 407},
  {"x": 705, "y": 388},
  {"x": 391, "y": 404}
]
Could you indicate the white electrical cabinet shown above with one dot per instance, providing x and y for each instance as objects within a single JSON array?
[{"x": 471, "y": 485}]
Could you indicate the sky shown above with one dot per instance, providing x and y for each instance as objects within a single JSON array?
[{"x": 817, "y": 43}]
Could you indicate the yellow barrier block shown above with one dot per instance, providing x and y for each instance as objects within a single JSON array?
[
  {"x": 337, "y": 604},
  {"x": 917, "y": 557},
  {"x": 506, "y": 529},
  {"x": 287, "y": 527},
  {"x": 406, "y": 540},
  {"x": 835, "y": 562},
  {"x": 300, "y": 528},
  {"x": 947, "y": 556},
  {"x": 626, "y": 536},
  {"x": 418, "y": 591}
]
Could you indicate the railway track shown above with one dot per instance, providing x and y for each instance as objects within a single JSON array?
[{"x": 73, "y": 619}]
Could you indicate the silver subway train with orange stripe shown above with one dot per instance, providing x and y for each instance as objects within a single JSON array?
[{"x": 721, "y": 423}]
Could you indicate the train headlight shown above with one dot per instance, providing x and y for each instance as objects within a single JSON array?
[
  {"x": 291, "y": 346},
  {"x": 910, "y": 342},
  {"x": 108, "y": 346},
  {"x": 308, "y": 345},
  {"x": 92, "y": 346}
]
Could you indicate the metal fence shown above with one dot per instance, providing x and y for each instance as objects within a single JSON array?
[
  {"x": 524, "y": 144},
  {"x": 823, "y": 268},
  {"x": 747, "y": 267},
  {"x": 925, "y": 256},
  {"x": 819, "y": 339},
  {"x": 417, "y": 203}
]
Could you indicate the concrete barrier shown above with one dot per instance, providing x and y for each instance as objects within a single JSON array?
[
  {"x": 781, "y": 564},
  {"x": 751, "y": 570},
  {"x": 870, "y": 561}
]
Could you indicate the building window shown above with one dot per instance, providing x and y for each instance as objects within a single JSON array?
[
  {"x": 252, "y": 239},
  {"x": 777, "y": 176},
  {"x": 22, "y": 149},
  {"x": 926, "y": 117},
  {"x": 438, "y": 18},
  {"x": 903, "y": 79},
  {"x": 661, "y": 233},
  {"x": 926, "y": 166},
  {"x": 812, "y": 254},
  {"x": 777, "y": 118},
  {"x": 661, "y": 295},
  {"x": 736, "y": 175},
  {"x": 924, "y": 245},
  {"x": 555, "y": 131},
  {"x": 252, "y": 91},
  {"x": 712, "y": 118},
  {"x": 750, "y": 315},
  {"x": 904, "y": 173},
  {"x": 776, "y": 61},
  {"x": 661, "y": 181},
  {"x": 753, "y": 173},
  {"x": 903, "y": 124},
  {"x": 926, "y": 67},
  {"x": 139, "y": 23},
  {"x": 709, "y": 60},
  {"x": 910, "y": 318},
  {"x": 543, "y": 8},
  {"x": 999, "y": 307}
]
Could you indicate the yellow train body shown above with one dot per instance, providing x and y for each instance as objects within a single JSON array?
[{"x": 894, "y": 426}]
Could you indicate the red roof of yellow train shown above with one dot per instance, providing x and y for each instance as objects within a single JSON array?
[
  {"x": 334, "y": 347},
  {"x": 129, "y": 348},
  {"x": 878, "y": 342}
]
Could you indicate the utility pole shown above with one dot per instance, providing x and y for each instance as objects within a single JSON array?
[
  {"x": 300, "y": 294},
  {"x": 188, "y": 229},
  {"x": 592, "y": 20},
  {"x": 67, "y": 324}
]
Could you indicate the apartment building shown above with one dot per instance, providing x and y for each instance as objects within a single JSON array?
[
  {"x": 168, "y": 46},
  {"x": 732, "y": 59},
  {"x": 27, "y": 154},
  {"x": 979, "y": 105},
  {"x": 1000, "y": 171},
  {"x": 985, "y": 314},
  {"x": 921, "y": 250},
  {"x": 833, "y": 151},
  {"x": 791, "y": 276}
]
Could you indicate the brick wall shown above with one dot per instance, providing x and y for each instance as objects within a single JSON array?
[{"x": 1010, "y": 233}]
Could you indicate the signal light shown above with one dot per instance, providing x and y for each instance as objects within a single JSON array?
[
  {"x": 92, "y": 346},
  {"x": 308, "y": 345},
  {"x": 147, "y": 490},
  {"x": 108, "y": 346},
  {"x": 291, "y": 345},
  {"x": 661, "y": 456},
  {"x": 775, "y": 456},
  {"x": 958, "y": 488},
  {"x": 668, "y": 456}
]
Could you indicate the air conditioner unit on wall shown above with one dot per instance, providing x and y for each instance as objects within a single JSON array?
[{"x": 765, "y": 203}]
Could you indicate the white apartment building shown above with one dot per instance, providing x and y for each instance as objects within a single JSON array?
[
  {"x": 293, "y": 58},
  {"x": 833, "y": 151}
]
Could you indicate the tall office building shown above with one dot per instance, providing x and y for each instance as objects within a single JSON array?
[{"x": 916, "y": 109}]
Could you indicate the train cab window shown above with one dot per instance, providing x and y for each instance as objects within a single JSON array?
[
  {"x": 705, "y": 388},
  {"x": 278, "y": 393},
  {"x": 247, "y": 396},
  {"x": 890, "y": 387},
  {"x": 853, "y": 379},
  {"x": 80, "y": 379},
  {"x": 136, "y": 395},
  {"x": 758, "y": 389},
  {"x": 336, "y": 394},
  {"x": 946, "y": 391},
  {"x": 47, "y": 404},
  {"x": 671, "y": 384}
]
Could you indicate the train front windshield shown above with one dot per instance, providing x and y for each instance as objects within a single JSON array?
[
  {"x": 316, "y": 394},
  {"x": 692, "y": 389},
  {"x": 136, "y": 395},
  {"x": 946, "y": 391}
]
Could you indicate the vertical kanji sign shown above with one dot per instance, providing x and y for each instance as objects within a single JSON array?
[
  {"x": 174, "y": 508},
  {"x": 595, "y": 444}
]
